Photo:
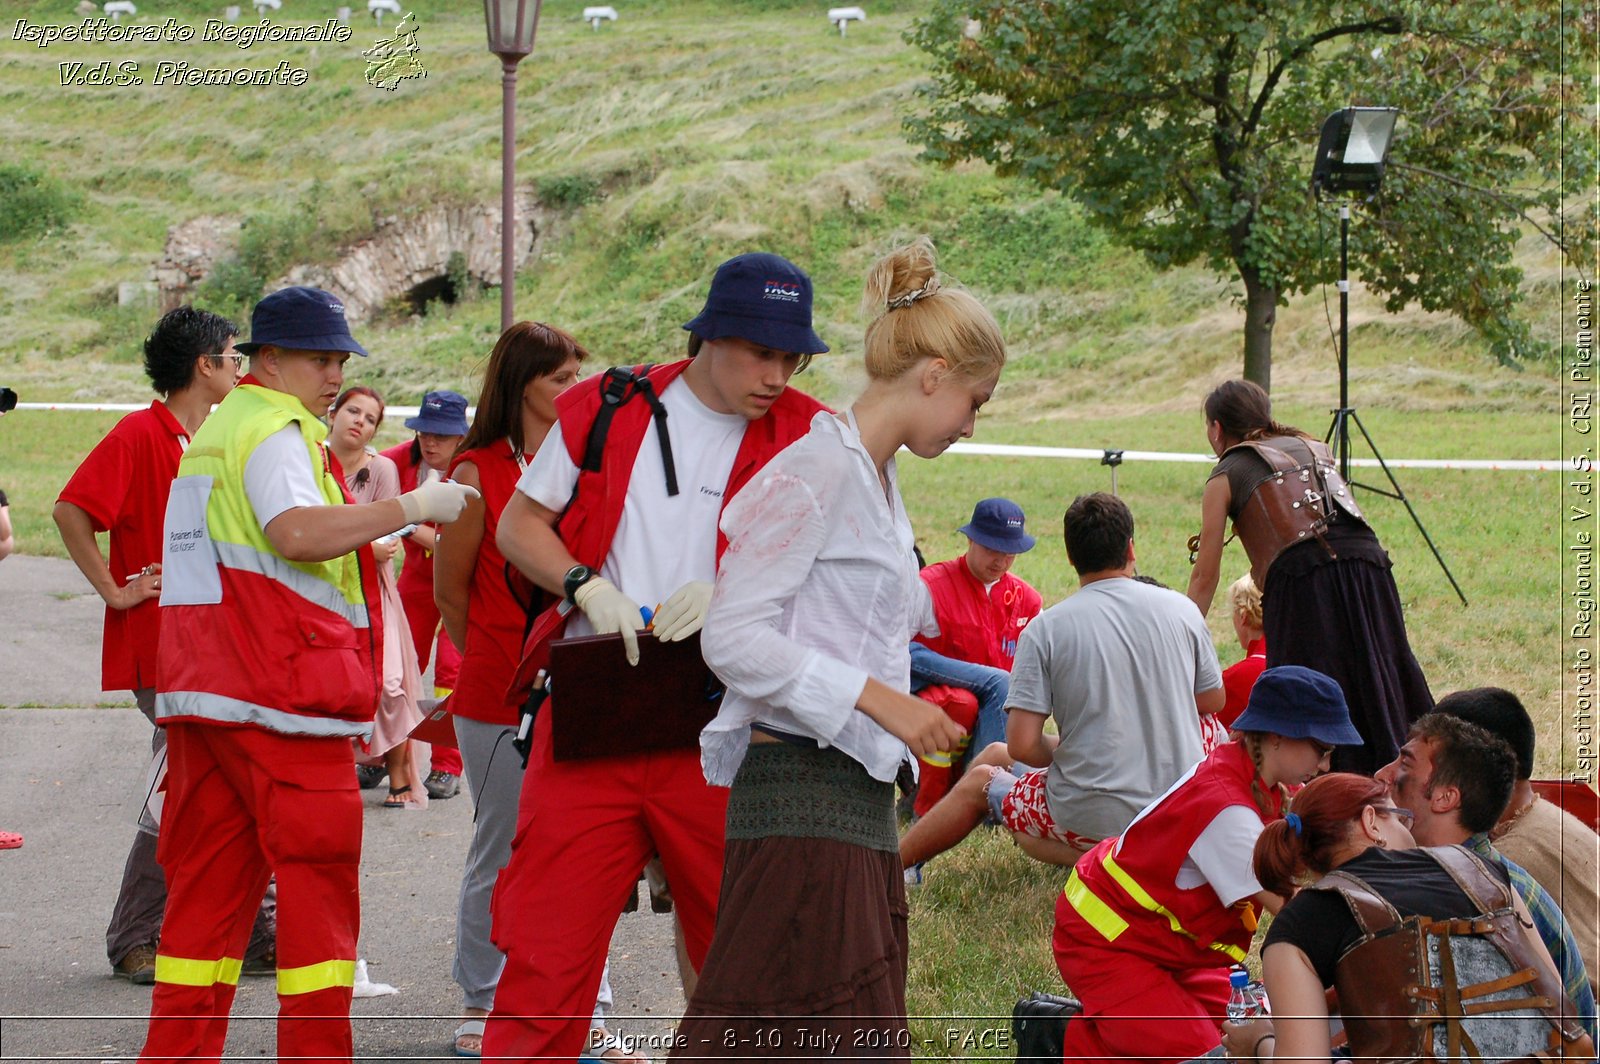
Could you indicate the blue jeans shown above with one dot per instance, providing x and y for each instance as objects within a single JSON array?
[{"x": 989, "y": 685}]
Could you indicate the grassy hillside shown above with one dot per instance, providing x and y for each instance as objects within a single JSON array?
[{"x": 688, "y": 132}]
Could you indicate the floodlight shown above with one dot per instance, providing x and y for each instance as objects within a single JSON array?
[
  {"x": 117, "y": 8},
  {"x": 267, "y": 5},
  {"x": 1352, "y": 149},
  {"x": 594, "y": 15},
  {"x": 376, "y": 8}
]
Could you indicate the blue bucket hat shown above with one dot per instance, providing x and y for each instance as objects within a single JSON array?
[
  {"x": 442, "y": 414},
  {"x": 762, "y": 298},
  {"x": 300, "y": 318},
  {"x": 1299, "y": 703},
  {"x": 998, "y": 525}
]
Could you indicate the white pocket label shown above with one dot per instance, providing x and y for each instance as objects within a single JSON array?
[{"x": 189, "y": 574}]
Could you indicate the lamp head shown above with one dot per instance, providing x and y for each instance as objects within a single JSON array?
[
  {"x": 511, "y": 25},
  {"x": 1352, "y": 150}
]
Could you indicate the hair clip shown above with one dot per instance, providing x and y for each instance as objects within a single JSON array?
[{"x": 905, "y": 299}]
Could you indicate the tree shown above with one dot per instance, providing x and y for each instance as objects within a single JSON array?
[{"x": 1186, "y": 128}]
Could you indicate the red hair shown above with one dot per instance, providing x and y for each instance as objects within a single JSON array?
[
  {"x": 1323, "y": 815},
  {"x": 359, "y": 389}
]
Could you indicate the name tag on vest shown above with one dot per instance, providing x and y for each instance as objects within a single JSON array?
[{"x": 189, "y": 575}]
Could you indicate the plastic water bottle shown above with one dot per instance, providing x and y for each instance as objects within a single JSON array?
[{"x": 1242, "y": 1003}]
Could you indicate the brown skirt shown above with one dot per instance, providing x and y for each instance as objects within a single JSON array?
[{"x": 808, "y": 958}]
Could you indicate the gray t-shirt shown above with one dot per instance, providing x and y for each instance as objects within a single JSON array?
[{"x": 1118, "y": 665}]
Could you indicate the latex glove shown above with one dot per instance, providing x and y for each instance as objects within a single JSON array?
[
  {"x": 609, "y": 610},
  {"x": 439, "y": 501},
  {"x": 684, "y": 612}
]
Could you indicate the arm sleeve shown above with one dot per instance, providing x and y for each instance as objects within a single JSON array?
[
  {"x": 1221, "y": 854},
  {"x": 99, "y": 487},
  {"x": 776, "y": 528},
  {"x": 1319, "y": 922},
  {"x": 278, "y": 475},
  {"x": 1030, "y": 673},
  {"x": 551, "y": 476}
]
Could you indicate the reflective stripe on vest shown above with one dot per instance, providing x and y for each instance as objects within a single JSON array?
[
  {"x": 325, "y": 975},
  {"x": 313, "y": 589},
  {"x": 1105, "y": 920},
  {"x": 204, "y": 704},
  {"x": 186, "y": 971}
]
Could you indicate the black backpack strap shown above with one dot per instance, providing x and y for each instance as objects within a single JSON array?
[{"x": 618, "y": 386}]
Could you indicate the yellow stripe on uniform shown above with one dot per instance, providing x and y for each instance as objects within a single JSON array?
[
  {"x": 1095, "y": 912},
  {"x": 313, "y": 977},
  {"x": 187, "y": 971},
  {"x": 1139, "y": 895}
]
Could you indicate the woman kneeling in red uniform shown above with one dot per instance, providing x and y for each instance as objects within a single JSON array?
[{"x": 1150, "y": 921}]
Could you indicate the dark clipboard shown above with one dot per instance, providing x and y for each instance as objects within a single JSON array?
[{"x": 600, "y": 706}]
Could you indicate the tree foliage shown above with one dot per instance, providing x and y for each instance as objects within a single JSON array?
[{"x": 1186, "y": 128}]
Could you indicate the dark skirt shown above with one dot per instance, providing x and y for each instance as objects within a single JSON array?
[
  {"x": 1342, "y": 616},
  {"x": 809, "y": 954}
]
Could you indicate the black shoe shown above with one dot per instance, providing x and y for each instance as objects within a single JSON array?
[
  {"x": 442, "y": 785},
  {"x": 369, "y": 776}
]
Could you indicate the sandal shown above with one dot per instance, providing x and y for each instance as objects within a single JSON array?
[
  {"x": 397, "y": 797},
  {"x": 470, "y": 1028},
  {"x": 10, "y": 840}
]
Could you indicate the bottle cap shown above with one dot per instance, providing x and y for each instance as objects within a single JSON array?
[{"x": 1238, "y": 979}]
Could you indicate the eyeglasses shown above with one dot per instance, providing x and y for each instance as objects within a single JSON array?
[
  {"x": 1405, "y": 816},
  {"x": 1323, "y": 749},
  {"x": 237, "y": 360}
]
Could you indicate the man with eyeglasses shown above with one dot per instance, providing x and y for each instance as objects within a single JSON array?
[
  {"x": 121, "y": 488},
  {"x": 1453, "y": 779}
]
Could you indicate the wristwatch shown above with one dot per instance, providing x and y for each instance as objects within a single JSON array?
[{"x": 576, "y": 577}]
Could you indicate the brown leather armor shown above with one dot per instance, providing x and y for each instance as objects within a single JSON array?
[
  {"x": 1418, "y": 989},
  {"x": 1292, "y": 503}
]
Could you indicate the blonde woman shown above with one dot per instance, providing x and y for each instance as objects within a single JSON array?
[{"x": 815, "y": 604}]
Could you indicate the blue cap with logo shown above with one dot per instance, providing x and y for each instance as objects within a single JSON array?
[
  {"x": 441, "y": 414},
  {"x": 762, "y": 298},
  {"x": 300, "y": 319},
  {"x": 998, "y": 525}
]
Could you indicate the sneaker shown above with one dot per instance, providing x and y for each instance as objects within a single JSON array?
[
  {"x": 369, "y": 776},
  {"x": 914, "y": 875},
  {"x": 137, "y": 966},
  {"x": 442, "y": 785}
]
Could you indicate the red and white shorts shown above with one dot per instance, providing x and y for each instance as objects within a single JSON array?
[{"x": 1019, "y": 803}]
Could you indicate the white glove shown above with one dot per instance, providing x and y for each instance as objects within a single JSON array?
[
  {"x": 439, "y": 501},
  {"x": 609, "y": 610},
  {"x": 684, "y": 612}
]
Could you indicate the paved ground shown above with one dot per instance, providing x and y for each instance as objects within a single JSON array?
[{"x": 72, "y": 762}]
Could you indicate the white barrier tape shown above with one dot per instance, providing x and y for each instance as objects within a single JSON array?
[{"x": 1020, "y": 450}]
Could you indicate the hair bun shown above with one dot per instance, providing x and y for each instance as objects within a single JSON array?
[{"x": 902, "y": 277}]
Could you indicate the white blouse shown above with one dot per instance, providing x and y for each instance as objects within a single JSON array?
[{"x": 817, "y": 591}]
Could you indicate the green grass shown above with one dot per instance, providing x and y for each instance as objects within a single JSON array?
[{"x": 688, "y": 132}]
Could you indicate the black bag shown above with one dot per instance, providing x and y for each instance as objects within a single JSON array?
[{"x": 1039, "y": 1026}]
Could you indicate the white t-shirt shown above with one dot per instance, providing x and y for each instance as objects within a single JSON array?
[
  {"x": 662, "y": 541},
  {"x": 278, "y": 475}
]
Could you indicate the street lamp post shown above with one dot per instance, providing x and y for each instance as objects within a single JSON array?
[{"x": 511, "y": 25}]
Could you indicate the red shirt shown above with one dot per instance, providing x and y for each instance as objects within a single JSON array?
[
  {"x": 974, "y": 624},
  {"x": 1239, "y": 678},
  {"x": 495, "y": 619},
  {"x": 123, "y": 486},
  {"x": 417, "y": 569}
]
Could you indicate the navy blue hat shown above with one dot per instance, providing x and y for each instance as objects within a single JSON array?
[
  {"x": 762, "y": 298},
  {"x": 442, "y": 414},
  {"x": 300, "y": 318},
  {"x": 997, "y": 524},
  {"x": 1299, "y": 703}
]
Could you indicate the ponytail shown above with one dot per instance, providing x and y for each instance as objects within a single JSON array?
[
  {"x": 1244, "y": 410},
  {"x": 1309, "y": 838}
]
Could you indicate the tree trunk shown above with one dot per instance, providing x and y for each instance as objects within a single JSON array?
[{"x": 1260, "y": 313}]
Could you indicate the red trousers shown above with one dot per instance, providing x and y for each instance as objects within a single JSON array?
[
  {"x": 422, "y": 617},
  {"x": 244, "y": 804},
  {"x": 937, "y": 773},
  {"x": 584, "y": 832},
  {"x": 1134, "y": 1007}
]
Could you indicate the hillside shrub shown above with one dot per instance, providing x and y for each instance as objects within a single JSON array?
[{"x": 32, "y": 203}]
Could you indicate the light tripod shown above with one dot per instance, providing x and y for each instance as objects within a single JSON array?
[{"x": 1350, "y": 158}]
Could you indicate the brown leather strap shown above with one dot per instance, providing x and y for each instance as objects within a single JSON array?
[
  {"x": 1371, "y": 911},
  {"x": 1472, "y": 876}
]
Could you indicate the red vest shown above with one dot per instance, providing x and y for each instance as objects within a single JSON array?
[
  {"x": 1131, "y": 895},
  {"x": 495, "y": 619},
  {"x": 590, "y": 522},
  {"x": 974, "y": 624},
  {"x": 417, "y": 569}
]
